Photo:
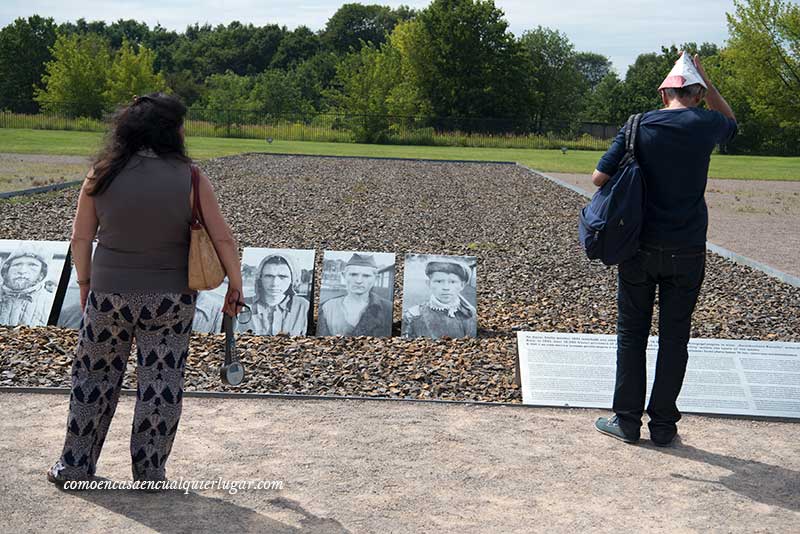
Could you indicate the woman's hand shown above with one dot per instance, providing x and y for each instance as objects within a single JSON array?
[
  {"x": 84, "y": 295},
  {"x": 233, "y": 301}
]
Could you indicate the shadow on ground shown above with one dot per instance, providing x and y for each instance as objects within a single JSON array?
[
  {"x": 176, "y": 512},
  {"x": 757, "y": 481}
]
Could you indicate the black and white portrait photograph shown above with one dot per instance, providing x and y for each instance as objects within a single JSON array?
[
  {"x": 356, "y": 294},
  {"x": 208, "y": 309},
  {"x": 30, "y": 272},
  {"x": 278, "y": 285},
  {"x": 70, "y": 314},
  {"x": 439, "y": 296}
]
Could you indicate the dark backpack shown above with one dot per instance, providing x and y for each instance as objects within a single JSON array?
[{"x": 609, "y": 226}]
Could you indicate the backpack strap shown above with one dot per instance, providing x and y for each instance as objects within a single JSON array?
[
  {"x": 631, "y": 130},
  {"x": 631, "y": 140}
]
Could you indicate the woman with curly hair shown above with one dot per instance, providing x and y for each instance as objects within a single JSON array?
[{"x": 137, "y": 201}]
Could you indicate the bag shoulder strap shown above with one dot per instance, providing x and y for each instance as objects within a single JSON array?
[
  {"x": 628, "y": 132},
  {"x": 197, "y": 209},
  {"x": 631, "y": 131}
]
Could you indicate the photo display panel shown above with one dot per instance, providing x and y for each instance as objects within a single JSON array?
[
  {"x": 30, "y": 272},
  {"x": 356, "y": 294},
  {"x": 278, "y": 286},
  {"x": 439, "y": 296},
  {"x": 71, "y": 313},
  {"x": 208, "y": 309}
]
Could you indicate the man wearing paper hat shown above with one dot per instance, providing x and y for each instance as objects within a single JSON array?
[
  {"x": 673, "y": 150},
  {"x": 683, "y": 74}
]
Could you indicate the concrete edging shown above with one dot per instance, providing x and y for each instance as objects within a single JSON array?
[
  {"x": 711, "y": 247},
  {"x": 292, "y": 396},
  {"x": 43, "y": 189},
  {"x": 56, "y": 390},
  {"x": 386, "y": 158}
]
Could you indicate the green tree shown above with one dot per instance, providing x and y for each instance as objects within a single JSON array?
[
  {"x": 81, "y": 26},
  {"x": 75, "y": 79},
  {"x": 353, "y": 24},
  {"x": 363, "y": 81},
  {"x": 276, "y": 92},
  {"x": 314, "y": 77},
  {"x": 24, "y": 49},
  {"x": 371, "y": 88},
  {"x": 555, "y": 85},
  {"x": 606, "y": 102},
  {"x": 406, "y": 99},
  {"x": 224, "y": 95},
  {"x": 593, "y": 67},
  {"x": 764, "y": 53},
  {"x": 131, "y": 74},
  {"x": 184, "y": 85},
  {"x": 296, "y": 47},
  {"x": 465, "y": 61},
  {"x": 241, "y": 49},
  {"x": 640, "y": 89},
  {"x": 162, "y": 42},
  {"x": 132, "y": 31}
]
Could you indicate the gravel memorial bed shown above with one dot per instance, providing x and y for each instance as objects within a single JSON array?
[{"x": 532, "y": 275}]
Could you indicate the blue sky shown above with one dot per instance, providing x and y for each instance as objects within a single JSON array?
[{"x": 620, "y": 30}]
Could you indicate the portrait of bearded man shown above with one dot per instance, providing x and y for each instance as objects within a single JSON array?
[{"x": 26, "y": 294}]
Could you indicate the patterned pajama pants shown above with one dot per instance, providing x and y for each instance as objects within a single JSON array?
[{"x": 161, "y": 324}]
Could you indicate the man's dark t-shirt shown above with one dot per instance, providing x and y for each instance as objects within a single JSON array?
[{"x": 673, "y": 148}]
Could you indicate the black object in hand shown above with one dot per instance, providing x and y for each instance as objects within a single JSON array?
[{"x": 232, "y": 371}]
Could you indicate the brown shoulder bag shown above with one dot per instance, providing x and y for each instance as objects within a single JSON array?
[{"x": 205, "y": 269}]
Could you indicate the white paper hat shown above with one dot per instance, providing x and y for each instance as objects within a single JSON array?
[{"x": 682, "y": 74}]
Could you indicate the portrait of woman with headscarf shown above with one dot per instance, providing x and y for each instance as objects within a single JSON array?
[{"x": 276, "y": 306}]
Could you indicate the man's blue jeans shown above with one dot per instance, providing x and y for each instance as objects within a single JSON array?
[{"x": 678, "y": 275}]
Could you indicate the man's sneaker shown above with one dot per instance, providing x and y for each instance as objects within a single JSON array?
[
  {"x": 665, "y": 443},
  {"x": 610, "y": 427}
]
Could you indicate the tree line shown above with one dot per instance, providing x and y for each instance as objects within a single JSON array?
[{"x": 454, "y": 58}]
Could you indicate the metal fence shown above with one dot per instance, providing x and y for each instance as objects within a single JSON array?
[{"x": 337, "y": 127}]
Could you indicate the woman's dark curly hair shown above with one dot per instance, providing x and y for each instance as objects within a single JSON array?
[{"x": 151, "y": 122}]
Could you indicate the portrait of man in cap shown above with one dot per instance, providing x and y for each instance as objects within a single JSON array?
[
  {"x": 438, "y": 298},
  {"x": 29, "y": 281},
  {"x": 363, "y": 309},
  {"x": 280, "y": 297}
]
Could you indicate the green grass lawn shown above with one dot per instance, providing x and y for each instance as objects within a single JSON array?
[{"x": 575, "y": 161}]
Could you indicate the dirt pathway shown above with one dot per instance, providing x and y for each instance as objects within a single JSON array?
[
  {"x": 24, "y": 171},
  {"x": 352, "y": 466}
]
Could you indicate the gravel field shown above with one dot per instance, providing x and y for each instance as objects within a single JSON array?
[
  {"x": 532, "y": 274},
  {"x": 759, "y": 219}
]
